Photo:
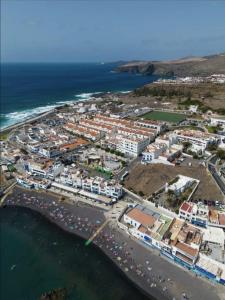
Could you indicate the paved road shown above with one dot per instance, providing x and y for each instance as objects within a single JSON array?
[
  {"x": 20, "y": 124},
  {"x": 213, "y": 171},
  {"x": 130, "y": 166}
]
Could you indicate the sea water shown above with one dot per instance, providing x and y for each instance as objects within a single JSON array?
[
  {"x": 29, "y": 89},
  {"x": 37, "y": 256}
]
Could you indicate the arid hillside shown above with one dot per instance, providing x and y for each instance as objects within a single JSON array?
[{"x": 191, "y": 66}]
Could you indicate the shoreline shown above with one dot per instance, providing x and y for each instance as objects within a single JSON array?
[
  {"x": 27, "y": 121},
  {"x": 31, "y": 119},
  {"x": 43, "y": 114},
  {"x": 150, "y": 284},
  {"x": 81, "y": 237}
]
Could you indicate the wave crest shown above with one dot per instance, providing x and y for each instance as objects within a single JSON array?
[{"x": 13, "y": 118}]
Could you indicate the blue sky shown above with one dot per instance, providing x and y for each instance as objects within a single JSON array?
[{"x": 79, "y": 31}]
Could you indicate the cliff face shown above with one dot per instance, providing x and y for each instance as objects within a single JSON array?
[{"x": 194, "y": 66}]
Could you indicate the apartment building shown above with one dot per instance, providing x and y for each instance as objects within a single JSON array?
[
  {"x": 49, "y": 151},
  {"x": 42, "y": 168},
  {"x": 219, "y": 121},
  {"x": 33, "y": 183},
  {"x": 83, "y": 131},
  {"x": 153, "y": 151},
  {"x": 182, "y": 242},
  {"x": 158, "y": 153},
  {"x": 132, "y": 146},
  {"x": 97, "y": 185},
  {"x": 127, "y": 127},
  {"x": 157, "y": 125},
  {"x": 96, "y": 125},
  {"x": 195, "y": 137}
]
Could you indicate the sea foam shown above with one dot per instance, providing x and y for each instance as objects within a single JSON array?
[{"x": 13, "y": 118}]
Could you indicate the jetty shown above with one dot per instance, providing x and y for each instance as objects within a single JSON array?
[
  {"x": 96, "y": 232},
  {"x": 6, "y": 192}
]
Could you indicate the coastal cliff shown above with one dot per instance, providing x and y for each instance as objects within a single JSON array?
[{"x": 189, "y": 66}]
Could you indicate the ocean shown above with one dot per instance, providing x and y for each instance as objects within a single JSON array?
[
  {"x": 37, "y": 256},
  {"x": 29, "y": 89}
]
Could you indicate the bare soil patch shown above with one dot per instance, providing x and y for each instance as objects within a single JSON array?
[{"x": 148, "y": 179}]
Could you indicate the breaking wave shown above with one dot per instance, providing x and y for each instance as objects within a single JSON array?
[
  {"x": 13, "y": 118},
  {"x": 23, "y": 115},
  {"x": 86, "y": 96}
]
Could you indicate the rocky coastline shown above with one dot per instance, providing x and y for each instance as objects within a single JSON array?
[{"x": 189, "y": 66}]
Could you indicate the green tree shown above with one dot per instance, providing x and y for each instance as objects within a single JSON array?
[
  {"x": 220, "y": 153},
  {"x": 212, "y": 147}
]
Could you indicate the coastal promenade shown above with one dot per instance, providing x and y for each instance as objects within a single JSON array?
[
  {"x": 28, "y": 121},
  {"x": 150, "y": 272}
]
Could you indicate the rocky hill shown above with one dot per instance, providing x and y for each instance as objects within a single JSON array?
[{"x": 189, "y": 66}]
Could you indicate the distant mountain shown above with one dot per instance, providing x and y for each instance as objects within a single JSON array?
[{"x": 187, "y": 66}]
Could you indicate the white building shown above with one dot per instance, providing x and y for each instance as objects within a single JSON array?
[
  {"x": 181, "y": 184},
  {"x": 168, "y": 139},
  {"x": 132, "y": 146},
  {"x": 49, "y": 151},
  {"x": 195, "y": 137},
  {"x": 84, "y": 131},
  {"x": 45, "y": 170},
  {"x": 157, "y": 125},
  {"x": 164, "y": 150},
  {"x": 147, "y": 225},
  {"x": 31, "y": 183},
  {"x": 153, "y": 151},
  {"x": 219, "y": 121},
  {"x": 193, "y": 108},
  {"x": 97, "y": 185},
  {"x": 194, "y": 213}
]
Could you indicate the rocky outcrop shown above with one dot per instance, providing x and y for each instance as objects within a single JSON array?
[{"x": 57, "y": 294}]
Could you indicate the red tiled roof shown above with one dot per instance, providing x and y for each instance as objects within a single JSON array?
[
  {"x": 141, "y": 217},
  {"x": 222, "y": 219},
  {"x": 186, "y": 207},
  {"x": 187, "y": 249}
]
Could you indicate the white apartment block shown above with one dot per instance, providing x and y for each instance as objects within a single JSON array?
[
  {"x": 49, "y": 151},
  {"x": 132, "y": 146},
  {"x": 131, "y": 132},
  {"x": 96, "y": 185},
  {"x": 168, "y": 139},
  {"x": 153, "y": 151},
  {"x": 127, "y": 127},
  {"x": 198, "y": 138},
  {"x": 43, "y": 170},
  {"x": 91, "y": 134},
  {"x": 217, "y": 122},
  {"x": 96, "y": 125},
  {"x": 157, "y": 125},
  {"x": 113, "y": 121},
  {"x": 164, "y": 150}
]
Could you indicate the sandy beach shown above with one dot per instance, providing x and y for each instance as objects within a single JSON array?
[{"x": 153, "y": 274}]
